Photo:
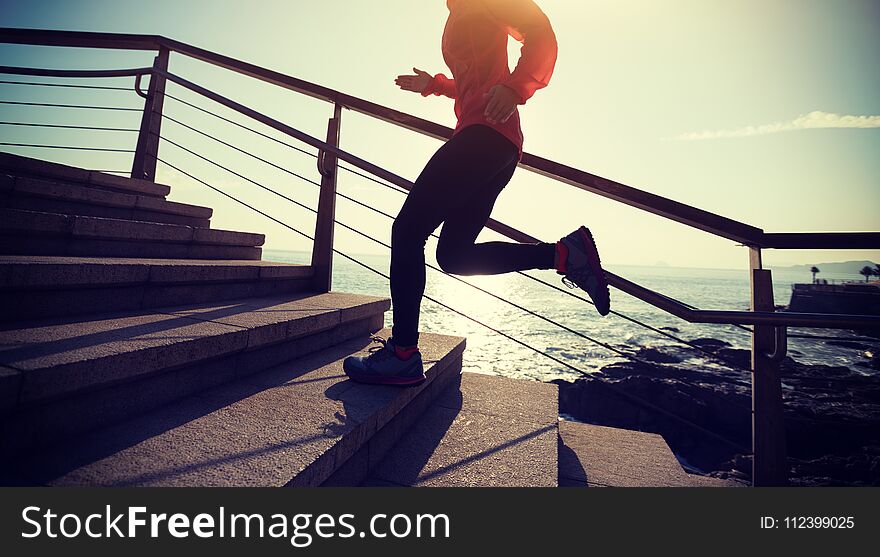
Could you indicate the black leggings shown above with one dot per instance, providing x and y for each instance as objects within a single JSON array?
[{"x": 458, "y": 187}]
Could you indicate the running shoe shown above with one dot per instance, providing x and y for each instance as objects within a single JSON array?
[
  {"x": 579, "y": 262},
  {"x": 386, "y": 365}
]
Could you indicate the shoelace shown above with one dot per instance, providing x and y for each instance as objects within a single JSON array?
[
  {"x": 380, "y": 352},
  {"x": 581, "y": 275}
]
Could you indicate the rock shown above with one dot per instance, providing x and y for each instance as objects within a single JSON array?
[
  {"x": 659, "y": 355},
  {"x": 832, "y": 413},
  {"x": 873, "y": 356},
  {"x": 736, "y": 356},
  {"x": 710, "y": 343}
]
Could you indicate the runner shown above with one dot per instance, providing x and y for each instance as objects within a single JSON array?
[{"x": 459, "y": 185}]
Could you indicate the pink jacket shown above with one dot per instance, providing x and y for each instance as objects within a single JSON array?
[{"x": 475, "y": 49}]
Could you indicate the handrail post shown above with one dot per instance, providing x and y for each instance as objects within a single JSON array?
[
  {"x": 322, "y": 250},
  {"x": 769, "y": 462},
  {"x": 147, "y": 150}
]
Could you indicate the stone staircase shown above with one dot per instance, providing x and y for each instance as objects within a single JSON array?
[{"x": 139, "y": 346}]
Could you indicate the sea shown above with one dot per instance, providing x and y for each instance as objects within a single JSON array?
[{"x": 491, "y": 353}]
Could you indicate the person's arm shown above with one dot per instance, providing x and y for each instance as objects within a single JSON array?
[
  {"x": 526, "y": 23},
  {"x": 440, "y": 85},
  {"x": 423, "y": 83}
]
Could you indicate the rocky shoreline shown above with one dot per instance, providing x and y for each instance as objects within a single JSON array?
[{"x": 703, "y": 410}]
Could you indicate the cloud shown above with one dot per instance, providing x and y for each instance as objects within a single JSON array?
[{"x": 814, "y": 120}]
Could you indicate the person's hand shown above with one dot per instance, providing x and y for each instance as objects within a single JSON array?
[
  {"x": 502, "y": 103},
  {"x": 416, "y": 83}
]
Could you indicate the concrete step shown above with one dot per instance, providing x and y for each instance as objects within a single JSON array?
[
  {"x": 489, "y": 431},
  {"x": 598, "y": 456},
  {"x": 298, "y": 424},
  {"x": 18, "y": 165},
  {"x": 48, "y": 196},
  {"x": 35, "y": 287},
  {"x": 60, "y": 377},
  {"x": 35, "y": 233}
]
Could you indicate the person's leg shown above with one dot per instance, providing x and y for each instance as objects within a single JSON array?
[
  {"x": 575, "y": 256},
  {"x": 457, "y": 252},
  {"x": 456, "y": 176}
]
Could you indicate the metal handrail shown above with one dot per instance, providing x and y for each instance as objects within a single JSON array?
[{"x": 646, "y": 201}]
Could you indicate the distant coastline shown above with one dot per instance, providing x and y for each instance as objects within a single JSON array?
[{"x": 845, "y": 267}]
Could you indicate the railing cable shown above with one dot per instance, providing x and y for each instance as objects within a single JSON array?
[
  {"x": 65, "y": 126},
  {"x": 86, "y": 106},
  {"x": 72, "y": 147},
  {"x": 68, "y": 85}
]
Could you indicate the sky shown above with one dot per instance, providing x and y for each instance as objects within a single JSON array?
[{"x": 766, "y": 112}]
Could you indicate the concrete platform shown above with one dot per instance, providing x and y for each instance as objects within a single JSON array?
[
  {"x": 33, "y": 287},
  {"x": 597, "y": 456},
  {"x": 27, "y": 166},
  {"x": 490, "y": 431},
  {"x": 295, "y": 424}
]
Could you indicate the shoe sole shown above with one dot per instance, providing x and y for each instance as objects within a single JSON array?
[{"x": 596, "y": 266}]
